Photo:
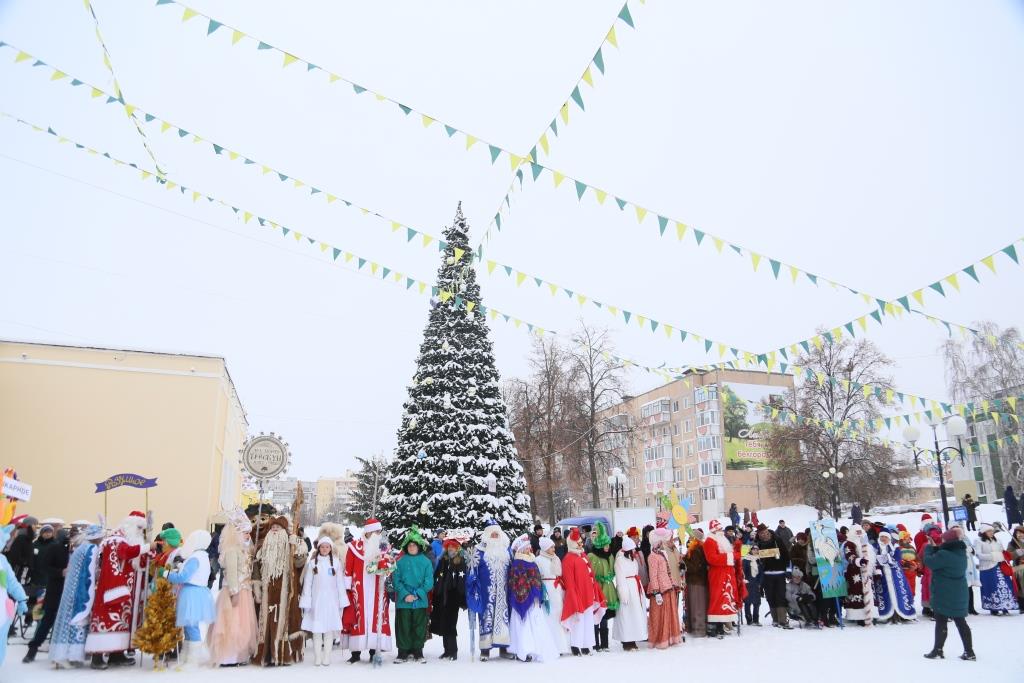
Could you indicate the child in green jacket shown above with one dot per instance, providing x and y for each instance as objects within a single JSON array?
[{"x": 413, "y": 579}]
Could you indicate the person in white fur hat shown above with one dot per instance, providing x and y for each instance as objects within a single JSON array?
[
  {"x": 323, "y": 599},
  {"x": 195, "y": 603},
  {"x": 630, "y": 625}
]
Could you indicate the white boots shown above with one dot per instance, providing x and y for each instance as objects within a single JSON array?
[
  {"x": 323, "y": 643},
  {"x": 191, "y": 654}
]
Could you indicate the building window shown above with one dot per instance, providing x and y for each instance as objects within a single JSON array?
[
  {"x": 707, "y": 417},
  {"x": 691, "y": 474},
  {"x": 675, "y": 429},
  {"x": 657, "y": 453},
  {"x": 664, "y": 430},
  {"x": 675, "y": 406},
  {"x": 677, "y": 452},
  {"x": 662, "y": 405},
  {"x": 677, "y": 474},
  {"x": 981, "y": 489},
  {"x": 687, "y": 427},
  {"x": 707, "y": 493},
  {"x": 689, "y": 450},
  {"x": 707, "y": 443},
  {"x": 705, "y": 394},
  {"x": 711, "y": 468},
  {"x": 686, "y": 402}
]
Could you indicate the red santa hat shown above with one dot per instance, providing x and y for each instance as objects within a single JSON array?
[
  {"x": 633, "y": 532},
  {"x": 925, "y": 517},
  {"x": 714, "y": 525},
  {"x": 901, "y": 528},
  {"x": 136, "y": 519},
  {"x": 371, "y": 526}
]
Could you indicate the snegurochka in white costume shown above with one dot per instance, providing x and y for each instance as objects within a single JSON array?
[{"x": 323, "y": 599}]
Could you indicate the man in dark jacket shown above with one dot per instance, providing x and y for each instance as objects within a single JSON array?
[
  {"x": 48, "y": 571},
  {"x": 775, "y": 560},
  {"x": 971, "y": 506},
  {"x": 856, "y": 514},
  {"x": 784, "y": 533},
  {"x": 948, "y": 562}
]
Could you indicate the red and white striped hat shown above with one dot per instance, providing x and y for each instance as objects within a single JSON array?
[{"x": 372, "y": 525}]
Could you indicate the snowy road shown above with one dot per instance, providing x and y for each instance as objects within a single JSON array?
[{"x": 764, "y": 654}]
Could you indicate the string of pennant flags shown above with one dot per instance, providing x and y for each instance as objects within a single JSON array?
[
  {"x": 376, "y": 269},
  {"x": 287, "y": 58},
  {"x": 776, "y": 267},
  {"x": 575, "y": 96},
  {"x": 425, "y": 239},
  {"x": 108, "y": 62}
]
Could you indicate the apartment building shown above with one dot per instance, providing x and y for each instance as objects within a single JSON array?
[{"x": 697, "y": 436}]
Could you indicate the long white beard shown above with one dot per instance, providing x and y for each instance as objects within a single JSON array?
[
  {"x": 371, "y": 550},
  {"x": 273, "y": 554},
  {"x": 133, "y": 534}
]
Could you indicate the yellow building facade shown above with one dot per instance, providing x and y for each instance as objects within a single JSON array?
[{"x": 70, "y": 417}]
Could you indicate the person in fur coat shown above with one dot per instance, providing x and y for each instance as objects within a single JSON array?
[
  {"x": 721, "y": 559},
  {"x": 551, "y": 573},
  {"x": 997, "y": 593},
  {"x": 663, "y": 627},
  {"x": 860, "y": 573},
  {"x": 323, "y": 599}
]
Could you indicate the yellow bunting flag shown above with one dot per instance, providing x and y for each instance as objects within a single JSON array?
[
  {"x": 641, "y": 214},
  {"x": 520, "y": 277},
  {"x": 953, "y": 281},
  {"x": 459, "y": 253},
  {"x": 288, "y": 59},
  {"x": 470, "y": 141},
  {"x": 565, "y": 113},
  {"x": 544, "y": 143},
  {"x": 680, "y": 230},
  {"x": 755, "y": 259},
  {"x": 490, "y": 267},
  {"x": 588, "y": 78},
  {"x": 188, "y": 14},
  {"x": 559, "y": 177},
  {"x": 990, "y": 263},
  {"x": 612, "y": 40},
  {"x": 236, "y": 36},
  {"x": 426, "y": 121},
  {"x": 21, "y": 56}
]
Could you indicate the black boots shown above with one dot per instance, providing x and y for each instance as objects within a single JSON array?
[
  {"x": 601, "y": 637},
  {"x": 29, "y": 657},
  {"x": 451, "y": 647},
  {"x": 935, "y": 654},
  {"x": 355, "y": 657},
  {"x": 968, "y": 656},
  {"x": 575, "y": 651}
]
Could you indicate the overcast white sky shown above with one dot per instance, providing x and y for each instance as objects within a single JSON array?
[{"x": 875, "y": 143}]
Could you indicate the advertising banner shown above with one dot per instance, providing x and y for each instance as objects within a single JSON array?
[{"x": 744, "y": 424}]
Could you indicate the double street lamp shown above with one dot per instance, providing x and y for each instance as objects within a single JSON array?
[
  {"x": 836, "y": 476},
  {"x": 617, "y": 480},
  {"x": 569, "y": 504},
  {"x": 956, "y": 427}
]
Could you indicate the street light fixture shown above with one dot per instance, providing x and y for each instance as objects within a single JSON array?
[
  {"x": 956, "y": 427},
  {"x": 617, "y": 480},
  {"x": 836, "y": 476}
]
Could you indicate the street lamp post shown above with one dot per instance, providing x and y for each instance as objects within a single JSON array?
[
  {"x": 617, "y": 480},
  {"x": 956, "y": 427},
  {"x": 836, "y": 476},
  {"x": 569, "y": 503}
]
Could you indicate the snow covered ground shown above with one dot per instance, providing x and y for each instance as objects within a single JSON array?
[{"x": 764, "y": 654}]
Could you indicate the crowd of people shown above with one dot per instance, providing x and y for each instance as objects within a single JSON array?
[{"x": 532, "y": 597}]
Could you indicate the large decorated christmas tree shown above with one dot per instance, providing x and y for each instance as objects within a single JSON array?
[{"x": 454, "y": 430}]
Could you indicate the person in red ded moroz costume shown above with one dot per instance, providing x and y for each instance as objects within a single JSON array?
[{"x": 583, "y": 604}]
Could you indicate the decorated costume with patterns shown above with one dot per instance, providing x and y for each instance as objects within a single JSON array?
[
  {"x": 448, "y": 596},
  {"x": 718, "y": 550},
  {"x": 528, "y": 626},
  {"x": 487, "y": 589},
  {"x": 892, "y": 594},
  {"x": 69, "y": 630},
  {"x": 365, "y": 623},
  {"x": 861, "y": 567},
  {"x": 280, "y": 557},
  {"x": 231, "y": 639},
  {"x": 116, "y": 611},
  {"x": 997, "y": 591}
]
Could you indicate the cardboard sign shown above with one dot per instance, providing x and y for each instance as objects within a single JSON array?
[
  {"x": 17, "y": 489},
  {"x": 768, "y": 553}
]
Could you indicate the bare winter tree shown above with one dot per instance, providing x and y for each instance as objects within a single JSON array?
[
  {"x": 871, "y": 472},
  {"x": 600, "y": 383},
  {"x": 990, "y": 367}
]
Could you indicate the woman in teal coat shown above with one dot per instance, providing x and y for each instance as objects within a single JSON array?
[
  {"x": 413, "y": 579},
  {"x": 948, "y": 564}
]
